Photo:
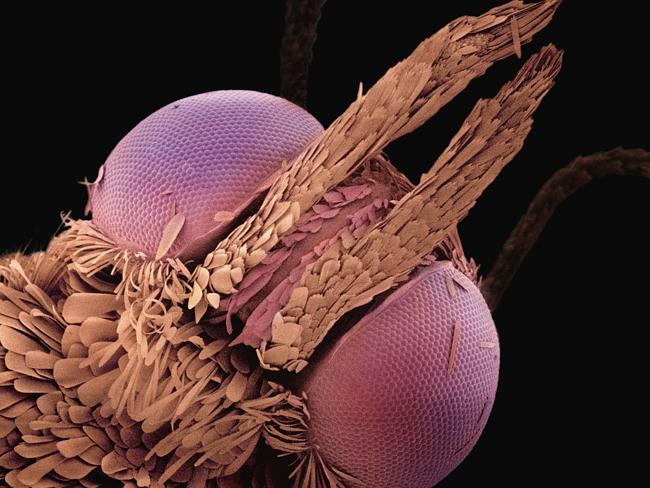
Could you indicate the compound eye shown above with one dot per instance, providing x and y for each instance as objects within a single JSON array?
[
  {"x": 196, "y": 157},
  {"x": 402, "y": 398}
]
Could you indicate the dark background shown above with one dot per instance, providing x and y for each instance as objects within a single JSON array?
[{"x": 571, "y": 406}]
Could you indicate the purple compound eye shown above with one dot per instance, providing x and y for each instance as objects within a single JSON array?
[
  {"x": 403, "y": 396},
  {"x": 196, "y": 157}
]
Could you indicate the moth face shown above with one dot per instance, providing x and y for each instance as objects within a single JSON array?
[
  {"x": 252, "y": 288},
  {"x": 403, "y": 395}
]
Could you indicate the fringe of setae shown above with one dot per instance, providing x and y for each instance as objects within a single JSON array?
[{"x": 285, "y": 431}]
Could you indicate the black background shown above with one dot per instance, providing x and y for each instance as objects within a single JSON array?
[{"x": 571, "y": 406}]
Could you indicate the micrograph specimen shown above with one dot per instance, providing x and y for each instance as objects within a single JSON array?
[{"x": 256, "y": 300}]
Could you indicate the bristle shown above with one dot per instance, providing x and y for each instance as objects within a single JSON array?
[
  {"x": 170, "y": 233},
  {"x": 453, "y": 349}
]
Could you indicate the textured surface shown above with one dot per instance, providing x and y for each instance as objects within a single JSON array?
[
  {"x": 408, "y": 94},
  {"x": 202, "y": 154},
  {"x": 385, "y": 406},
  {"x": 357, "y": 267}
]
